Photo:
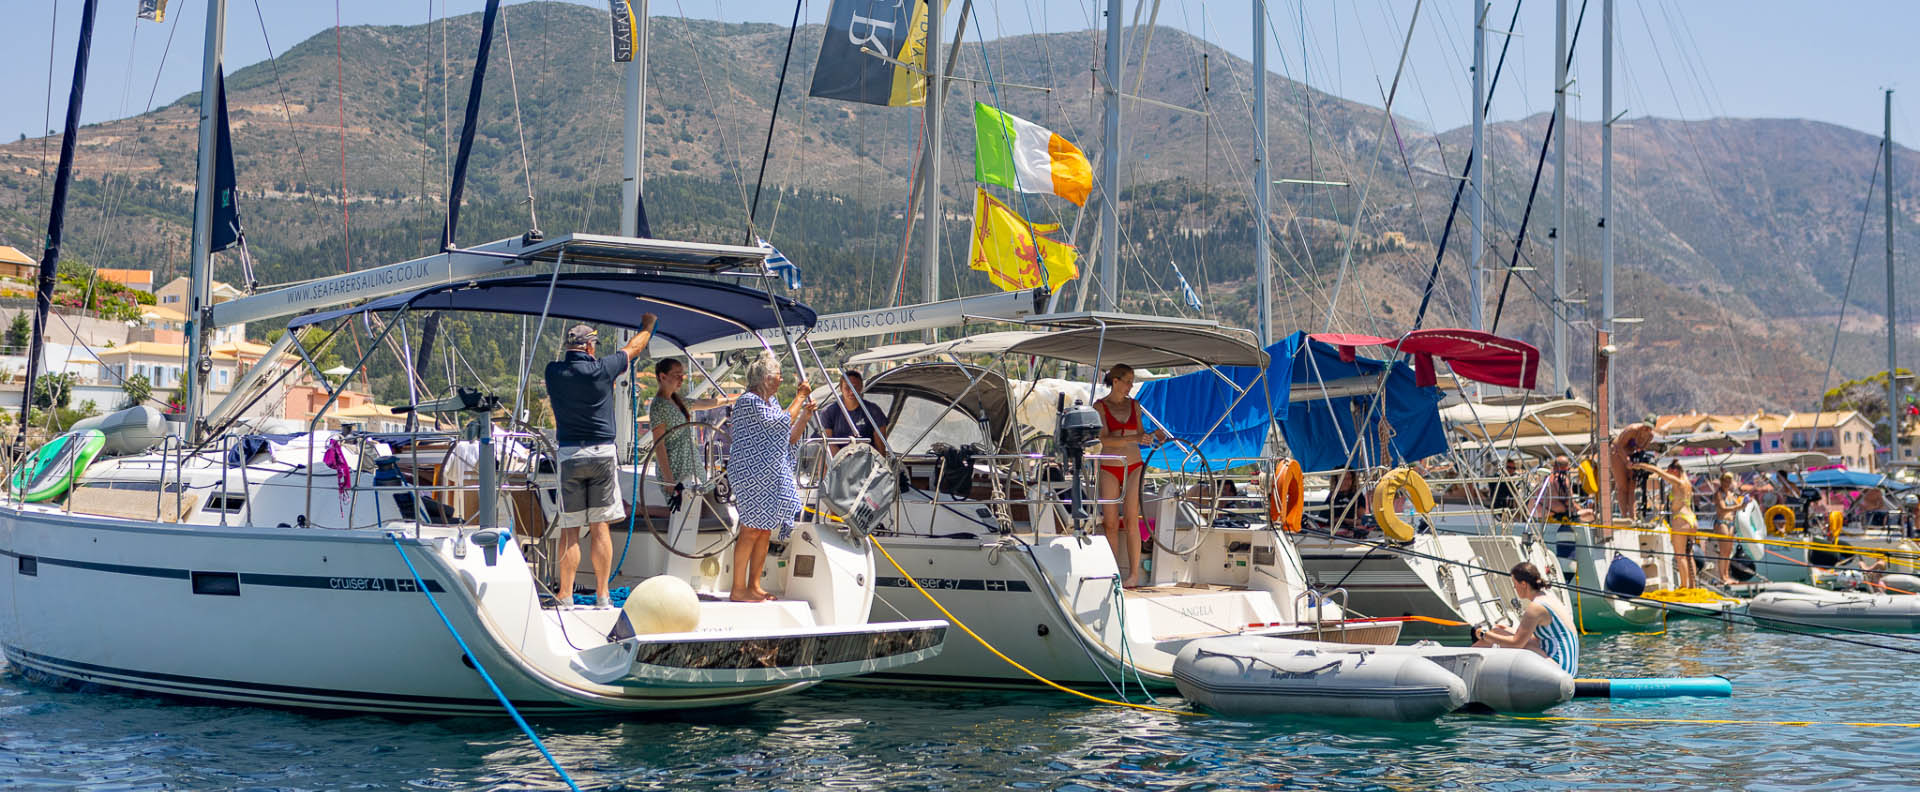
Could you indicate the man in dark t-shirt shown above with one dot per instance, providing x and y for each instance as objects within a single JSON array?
[
  {"x": 580, "y": 387},
  {"x": 854, "y": 416}
]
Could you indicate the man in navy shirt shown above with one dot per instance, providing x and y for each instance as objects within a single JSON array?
[
  {"x": 581, "y": 389},
  {"x": 854, "y": 416}
]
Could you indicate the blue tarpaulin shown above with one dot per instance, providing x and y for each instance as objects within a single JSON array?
[
  {"x": 1319, "y": 431},
  {"x": 1836, "y": 477}
]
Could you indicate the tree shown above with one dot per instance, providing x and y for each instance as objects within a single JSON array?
[
  {"x": 20, "y": 333},
  {"x": 1868, "y": 397},
  {"x": 138, "y": 389},
  {"x": 53, "y": 391}
]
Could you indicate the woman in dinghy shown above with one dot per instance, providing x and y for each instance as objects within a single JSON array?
[{"x": 1545, "y": 626}]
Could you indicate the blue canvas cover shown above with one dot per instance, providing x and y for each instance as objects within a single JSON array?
[
  {"x": 1320, "y": 432},
  {"x": 691, "y": 310},
  {"x": 1844, "y": 479}
]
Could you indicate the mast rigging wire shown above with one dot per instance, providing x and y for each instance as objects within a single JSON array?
[
  {"x": 1446, "y": 233},
  {"x": 766, "y": 152},
  {"x": 1539, "y": 167}
]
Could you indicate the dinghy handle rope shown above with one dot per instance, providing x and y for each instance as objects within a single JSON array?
[
  {"x": 1773, "y": 622},
  {"x": 1010, "y": 661},
  {"x": 504, "y": 702}
]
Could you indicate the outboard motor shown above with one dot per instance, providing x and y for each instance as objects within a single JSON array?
[
  {"x": 859, "y": 488},
  {"x": 1077, "y": 428}
]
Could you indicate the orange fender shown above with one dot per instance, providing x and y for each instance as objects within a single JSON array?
[{"x": 1287, "y": 496}]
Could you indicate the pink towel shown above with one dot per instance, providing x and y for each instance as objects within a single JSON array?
[{"x": 336, "y": 458}]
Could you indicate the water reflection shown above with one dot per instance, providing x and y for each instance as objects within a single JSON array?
[{"x": 848, "y": 738}]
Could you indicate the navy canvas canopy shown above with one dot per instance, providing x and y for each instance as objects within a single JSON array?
[
  {"x": 1319, "y": 431},
  {"x": 691, "y": 310},
  {"x": 1846, "y": 479}
]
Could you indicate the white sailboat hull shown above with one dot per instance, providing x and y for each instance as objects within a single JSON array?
[{"x": 332, "y": 619}]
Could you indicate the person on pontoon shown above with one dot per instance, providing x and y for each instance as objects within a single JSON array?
[
  {"x": 765, "y": 491},
  {"x": 580, "y": 388},
  {"x": 1682, "y": 523},
  {"x": 1545, "y": 625},
  {"x": 1123, "y": 428}
]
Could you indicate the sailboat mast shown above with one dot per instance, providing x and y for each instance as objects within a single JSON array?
[
  {"x": 1603, "y": 332},
  {"x": 930, "y": 202},
  {"x": 1110, "y": 167},
  {"x": 1559, "y": 318},
  {"x": 1893, "y": 332},
  {"x": 56, "y": 218},
  {"x": 633, "y": 173},
  {"x": 1476, "y": 311},
  {"x": 1262, "y": 183},
  {"x": 200, "y": 278}
]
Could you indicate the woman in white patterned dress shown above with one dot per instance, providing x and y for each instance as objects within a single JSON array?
[{"x": 760, "y": 466}]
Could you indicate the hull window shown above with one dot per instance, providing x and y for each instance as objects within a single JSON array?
[
  {"x": 29, "y": 566},
  {"x": 219, "y": 584}
]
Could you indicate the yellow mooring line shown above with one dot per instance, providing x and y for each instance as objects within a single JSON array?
[{"x": 1010, "y": 661}]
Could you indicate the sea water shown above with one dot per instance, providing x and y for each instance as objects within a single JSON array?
[{"x": 838, "y": 737}]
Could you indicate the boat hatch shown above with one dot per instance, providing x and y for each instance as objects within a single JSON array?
[{"x": 801, "y": 654}]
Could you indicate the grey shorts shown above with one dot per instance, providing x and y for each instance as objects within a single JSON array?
[{"x": 590, "y": 486}]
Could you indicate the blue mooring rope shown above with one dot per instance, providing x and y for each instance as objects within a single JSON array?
[{"x": 395, "y": 538}]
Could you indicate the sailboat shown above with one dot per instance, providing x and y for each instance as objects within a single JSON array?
[{"x": 338, "y": 570}]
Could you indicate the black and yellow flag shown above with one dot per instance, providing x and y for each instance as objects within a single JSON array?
[
  {"x": 625, "y": 26},
  {"x": 155, "y": 10},
  {"x": 866, "y": 42}
]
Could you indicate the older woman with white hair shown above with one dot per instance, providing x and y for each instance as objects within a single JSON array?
[{"x": 761, "y": 465}]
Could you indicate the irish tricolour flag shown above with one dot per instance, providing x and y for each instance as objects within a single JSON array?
[{"x": 1021, "y": 155}]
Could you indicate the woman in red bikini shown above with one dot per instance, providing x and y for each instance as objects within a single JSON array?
[{"x": 1123, "y": 429}]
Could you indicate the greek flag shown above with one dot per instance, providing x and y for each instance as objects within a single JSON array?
[
  {"x": 778, "y": 264},
  {"x": 1186, "y": 291}
]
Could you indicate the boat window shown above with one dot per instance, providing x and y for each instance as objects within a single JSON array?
[
  {"x": 916, "y": 414},
  {"x": 219, "y": 584},
  {"x": 225, "y": 503}
]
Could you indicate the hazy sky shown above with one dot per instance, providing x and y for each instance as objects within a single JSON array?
[{"x": 1676, "y": 58}]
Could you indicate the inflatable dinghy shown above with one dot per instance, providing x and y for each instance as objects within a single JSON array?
[
  {"x": 1811, "y": 606},
  {"x": 52, "y": 469},
  {"x": 1256, "y": 675},
  {"x": 1265, "y": 675},
  {"x": 1502, "y": 680}
]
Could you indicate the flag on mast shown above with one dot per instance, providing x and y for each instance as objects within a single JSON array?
[
  {"x": 226, "y": 214},
  {"x": 1021, "y": 155},
  {"x": 875, "y": 52},
  {"x": 152, "y": 10},
  {"x": 625, "y": 24},
  {"x": 779, "y": 264},
  {"x": 1013, "y": 252}
]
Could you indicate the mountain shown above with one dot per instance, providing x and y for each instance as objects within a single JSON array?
[{"x": 1733, "y": 236}]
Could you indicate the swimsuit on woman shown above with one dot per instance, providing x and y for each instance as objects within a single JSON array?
[{"x": 1132, "y": 423}]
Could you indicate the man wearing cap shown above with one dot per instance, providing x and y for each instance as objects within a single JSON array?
[{"x": 580, "y": 389}]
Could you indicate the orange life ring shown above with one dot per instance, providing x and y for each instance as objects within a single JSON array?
[
  {"x": 1779, "y": 519},
  {"x": 1287, "y": 496}
]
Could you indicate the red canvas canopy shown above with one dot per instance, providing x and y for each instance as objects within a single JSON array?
[{"x": 1475, "y": 355}]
